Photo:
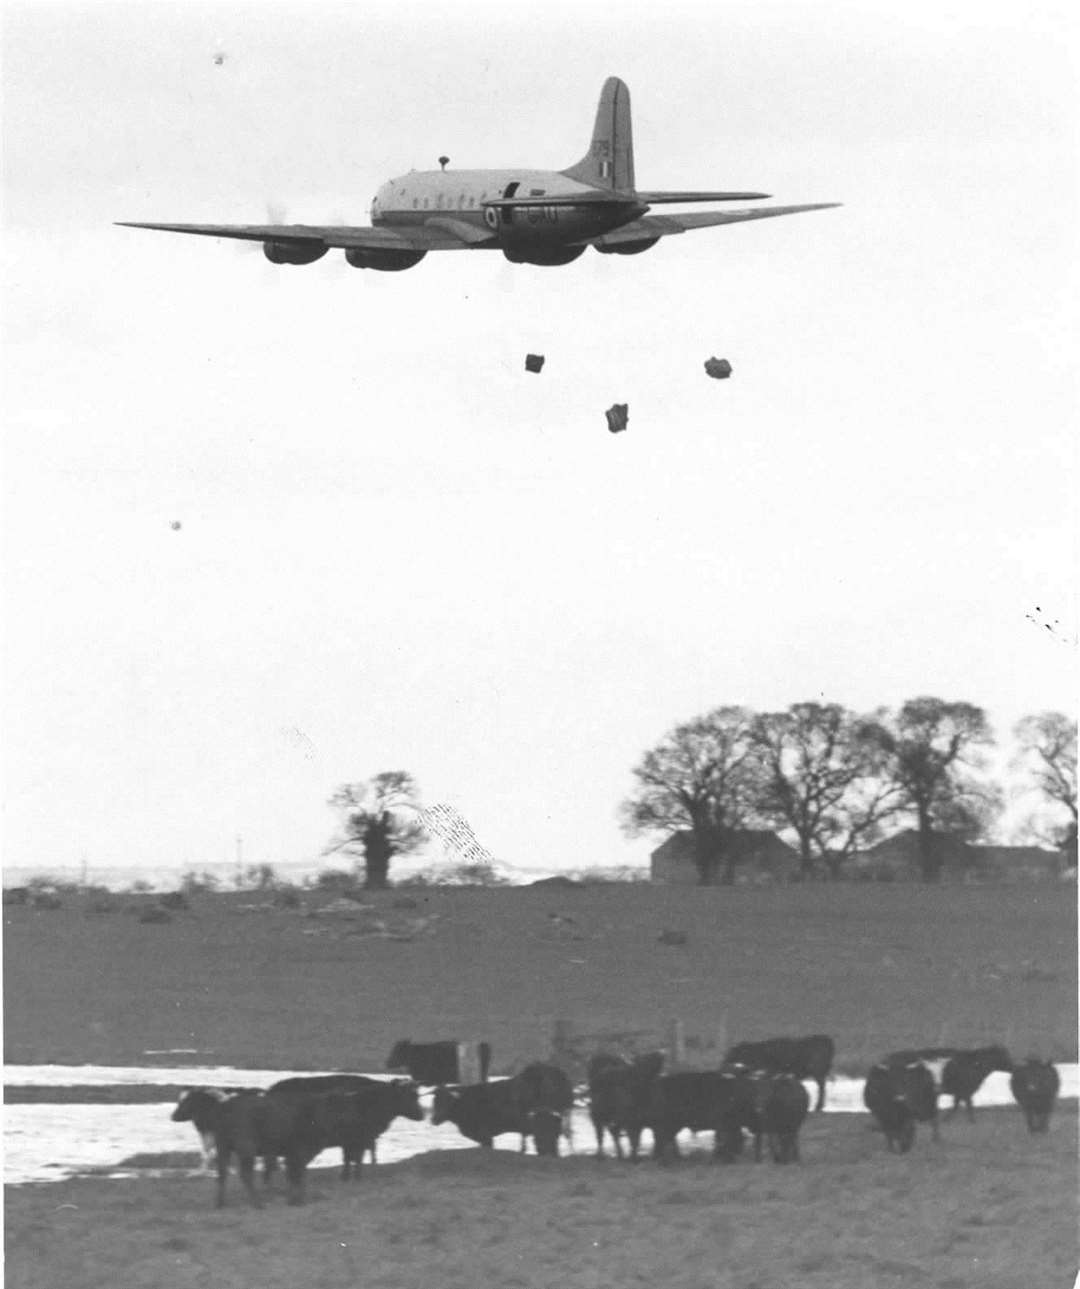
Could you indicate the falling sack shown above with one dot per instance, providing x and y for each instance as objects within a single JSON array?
[
  {"x": 718, "y": 368},
  {"x": 617, "y": 417},
  {"x": 534, "y": 362}
]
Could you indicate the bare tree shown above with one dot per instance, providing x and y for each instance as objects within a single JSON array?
[
  {"x": 824, "y": 779},
  {"x": 705, "y": 776},
  {"x": 933, "y": 756},
  {"x": 379, "y": 822},
  {"x": 1047, "y": 752}
]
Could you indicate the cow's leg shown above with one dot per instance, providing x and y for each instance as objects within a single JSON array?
[
  {"x": 935, "y": 1135},
  {"x": 269, "y": 1168},
  {"x": 970, "y": 1110},
  {"x": 598, "y": 1128},
  {"x": 294, "y": 1173},
  {"x": 247, "y": 1176},
  {"x": 820, "y": 1094},
  {"x": 222, "y": 1173}
]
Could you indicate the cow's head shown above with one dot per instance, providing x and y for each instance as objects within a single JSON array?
[
  {"x": 407, "y": 1099},
  {"x": 196, "y": 1100},
  {"x": 545, "y": 1128}
]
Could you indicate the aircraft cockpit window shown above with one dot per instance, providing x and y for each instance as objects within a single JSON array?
[{"x": 425, "y": 203}]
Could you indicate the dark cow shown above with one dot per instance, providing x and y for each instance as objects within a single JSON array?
[
  {"x": 780, "y": 1105},
  {"x": 704, "y": 1101},
  {"x": 297, "y": 1129},
  {"x": 541, "y": 1086},
  {"x": 964, "y": 1073},
  {"x": 806, "y": 1058},
  {"x": 433, "y": 1063},
  {"x": 619, "y": 1093},
  {"x": 899, "y": 1096},
  {"x": 483, "y": 1111},
  {"x": 306, "y": 1085},
  {"x": 1035, "y": 1085},
  {"x": 201, "y": 1107}
]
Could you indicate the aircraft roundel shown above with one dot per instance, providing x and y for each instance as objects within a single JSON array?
[{"x": 491, "y": 217}]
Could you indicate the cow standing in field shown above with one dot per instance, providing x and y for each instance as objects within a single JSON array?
[
  {"x": 483, "y": 1111},
  {"x": 957, "y": 1072},
  {"x": 964, "y": 1074},
  {"x": 713, "y": 1101},
  {"x": 899, "y": 1096},
  {"x": 619, "y": 1093},
  {"x": 432, "y": 1063},
  {"x": 297, "y": 1129},
  {"x": 1035, "y": 1085},
  {"x": 806, "y": 1058},
  {"x": 781, "y": 1104},
  {"x": 201, "y": 1107},
  {"x": 306, "y": 1085}
]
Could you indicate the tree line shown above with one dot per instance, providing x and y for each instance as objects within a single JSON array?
[
  {"x": 831, "y": 777},
  {"x": 835, "y": 778}
]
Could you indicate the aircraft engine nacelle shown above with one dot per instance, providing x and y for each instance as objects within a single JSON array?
[
  {"x": 629, "y": 248},
  {"x": 542, "y": 254},
  {"x": 293, "y": 252},
  {"x": 384, "y": 261}
]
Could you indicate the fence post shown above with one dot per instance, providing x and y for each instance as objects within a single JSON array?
[
  {"x": 562, "y": 1043},
  {"x": 677, "y": 1042},
  {"x": 721, "y": 1037}
]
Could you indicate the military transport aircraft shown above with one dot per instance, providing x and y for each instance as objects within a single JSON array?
[{"x": 532, "y": 216}]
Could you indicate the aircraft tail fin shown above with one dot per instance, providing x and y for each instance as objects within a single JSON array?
[{"x": 609, "y": 163}]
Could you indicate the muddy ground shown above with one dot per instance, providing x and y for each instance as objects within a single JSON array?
[{"x": 989, "y": 1207}]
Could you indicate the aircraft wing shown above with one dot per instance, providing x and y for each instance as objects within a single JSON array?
[
  {"x": 437, "y": 234},
  {"x": 663, "y": 225}
]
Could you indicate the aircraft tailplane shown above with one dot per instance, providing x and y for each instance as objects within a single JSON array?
[{"x": 609, "y": 163}]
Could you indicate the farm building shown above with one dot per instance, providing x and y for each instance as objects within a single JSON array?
[
  {"x": 897, "y": 858},
  {"x": 759, "y": 856}
]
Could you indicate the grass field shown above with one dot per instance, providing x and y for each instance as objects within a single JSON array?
[
  {"x": 877, "y": 966},
  {"x": 989, "y": 1207}
]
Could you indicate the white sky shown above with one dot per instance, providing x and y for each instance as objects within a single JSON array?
[{"x": 400, "y": 550}]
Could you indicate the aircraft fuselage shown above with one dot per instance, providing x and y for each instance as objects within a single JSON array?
[{"x": 463, "y": 196}]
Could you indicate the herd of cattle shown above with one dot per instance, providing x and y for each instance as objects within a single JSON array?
[{"x": 758, "y": 1091}]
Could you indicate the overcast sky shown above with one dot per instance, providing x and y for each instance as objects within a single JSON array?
[{"x": 397, "y": 549}]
